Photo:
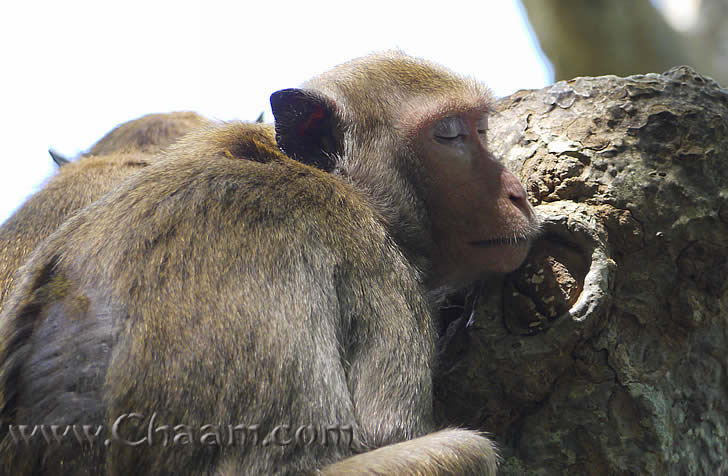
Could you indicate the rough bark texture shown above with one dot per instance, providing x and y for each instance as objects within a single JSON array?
[{"x": 606, "y": 352}]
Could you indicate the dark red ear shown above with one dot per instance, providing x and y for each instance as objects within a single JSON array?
[{"x": 306, "y": 127}]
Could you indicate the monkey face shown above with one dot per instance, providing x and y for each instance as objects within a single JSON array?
[
  {"x": 410, "y": 133},
  {"x": 482, "y": 221}
]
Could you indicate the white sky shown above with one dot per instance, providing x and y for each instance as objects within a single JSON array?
[{"x": 72, "y": 70}]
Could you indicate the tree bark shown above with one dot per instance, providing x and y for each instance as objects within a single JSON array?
[
  {"x": 604, "y": 37},
  {"x": 606, "y": 352},
  {"x": 626, "y": 37}
]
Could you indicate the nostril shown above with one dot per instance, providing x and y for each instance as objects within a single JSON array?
[
  {"x": 516, "y": 196},
  {"x": 513, "y": 189}
]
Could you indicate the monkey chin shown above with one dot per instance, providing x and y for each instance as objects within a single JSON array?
[
  {"x": 477, "y": 259},
  {"x": 499, "y": 256}
]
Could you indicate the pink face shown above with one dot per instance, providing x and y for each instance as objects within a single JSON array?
[{"x": 481, "y": 219}]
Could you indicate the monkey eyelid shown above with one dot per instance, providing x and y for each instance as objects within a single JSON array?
[
  {"x": 482, "y": 125},
  {"x": 449, "y": 129}
]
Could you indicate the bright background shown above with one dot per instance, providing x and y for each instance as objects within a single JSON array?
[{"x": 70, "y": 71}]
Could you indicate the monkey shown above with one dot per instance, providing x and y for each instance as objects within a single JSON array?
[
  {"x": 282, "y": 283},
  {"x": 149, "y": 134},
  {"x": 119, "y": 153}
]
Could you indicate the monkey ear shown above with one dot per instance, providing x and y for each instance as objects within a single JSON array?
[
  {"x": 58, "y": 158},
  {"x": 306, "y": 127}
]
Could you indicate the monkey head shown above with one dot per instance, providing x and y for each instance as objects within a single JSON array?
[
  {"x": 148, "y": 134},
  {"x": 412, "y": 136}
]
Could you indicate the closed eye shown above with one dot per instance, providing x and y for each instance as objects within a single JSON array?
[
  {"x": 450, "y": 139},
  {"x": 449, "y": 130},
  {"x": 482, "y": 125}
]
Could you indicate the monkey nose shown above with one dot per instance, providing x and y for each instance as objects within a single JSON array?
[
  {"x": 512, "y": 186},
  {"x": 514, "y": 190},
  {"x": 517, "y": 195}
]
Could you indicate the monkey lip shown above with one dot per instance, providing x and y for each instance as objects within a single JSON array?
[{"x": 504, "y": 241}]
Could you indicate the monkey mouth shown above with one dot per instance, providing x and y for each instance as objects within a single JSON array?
[{"x": 504, "y": 241}]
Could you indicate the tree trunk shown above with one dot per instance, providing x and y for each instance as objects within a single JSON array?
[
  {"x": 606, "y": 352},
  {"x": 626, "y": 37}
]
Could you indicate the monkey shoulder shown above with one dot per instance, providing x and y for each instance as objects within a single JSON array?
[{"x": 234, "y": 178}]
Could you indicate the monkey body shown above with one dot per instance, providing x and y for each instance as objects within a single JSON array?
[
  {"x": 230, "y": 284},
  {"x": 245, "y": 321},
  {"x": 120, "y": 153},
  {"x": 148, "y": 134}
]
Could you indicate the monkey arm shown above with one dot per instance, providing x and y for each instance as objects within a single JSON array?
[
  {"x": 391, "y": 360},
  {"x": 460, "y": 452}
]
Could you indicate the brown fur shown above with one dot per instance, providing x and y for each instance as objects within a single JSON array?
[
  {"x": 150, "y": 133},
  {"x": 76, "y": 184},
  {"x": 230, "y": 284}
]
